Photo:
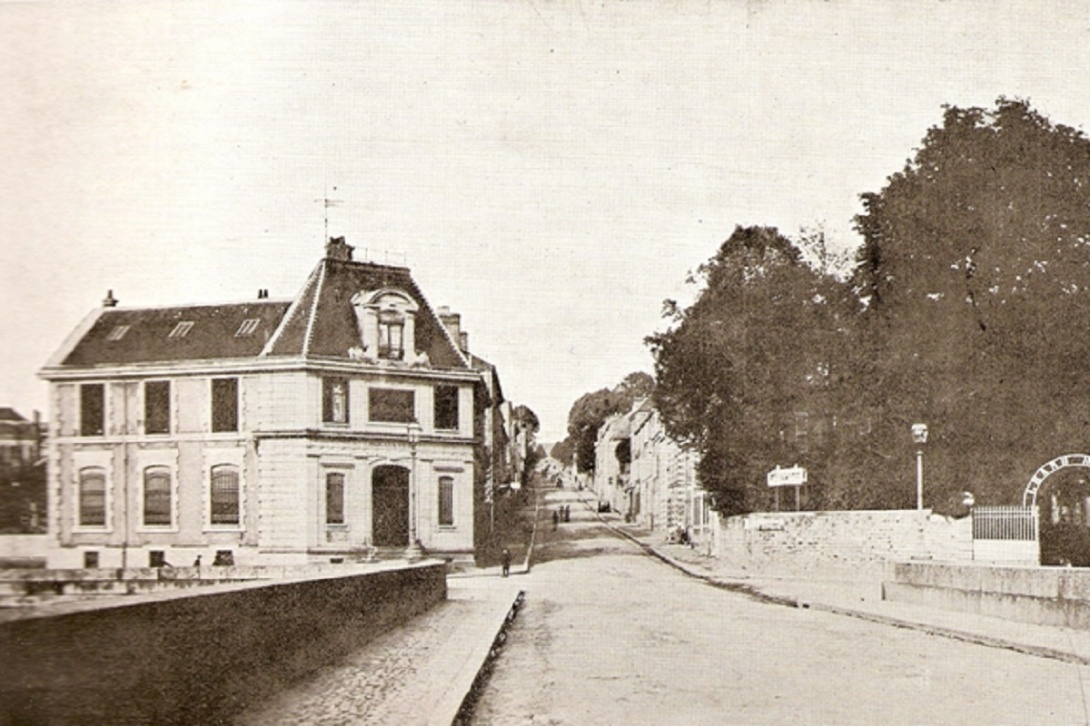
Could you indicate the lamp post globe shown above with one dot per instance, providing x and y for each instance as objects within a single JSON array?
[{"x": 919, "y": 437}]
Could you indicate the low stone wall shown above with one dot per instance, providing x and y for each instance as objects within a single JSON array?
[
  {"x": 1048, "y": 596},
  {"x": 797, "y": 541},
  {"x": 23, "y": 551},
  {"x": 199, "y": 657}
]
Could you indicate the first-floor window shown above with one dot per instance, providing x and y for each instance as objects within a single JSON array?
[
  {"x": 157, "y": 496},
  {"x": 334, "y": 498},
  {"x": 225, "y": 503},
  {"x": 92, "y": 410},
  {"x": 392, "y": 405},
  {"x": 446, "y": 500},
  {"x": 92, "y": 497}
]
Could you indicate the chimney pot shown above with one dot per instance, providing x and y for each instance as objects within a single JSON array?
[
  {"x": 338, "y": 249},
  {"x": 109, "y": 301}
]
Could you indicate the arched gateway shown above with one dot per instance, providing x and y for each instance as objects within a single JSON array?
[{"x": 1029, "y": 497}]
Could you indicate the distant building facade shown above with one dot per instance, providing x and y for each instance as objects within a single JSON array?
[
  {"x": 654, "y": 480},
  {"x": 22, "y": 473},
  {"x": 345, "y": 420}
]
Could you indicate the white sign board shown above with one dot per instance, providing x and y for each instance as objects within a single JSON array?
[{"x": 787, "y": 476}]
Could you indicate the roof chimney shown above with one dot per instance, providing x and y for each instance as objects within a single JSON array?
[
  {"x": 109, "y": 301},
  {"x": 262, "y": 293},
  {"x": 452, "y": 322},
  {"x": 338, "y": 249}
]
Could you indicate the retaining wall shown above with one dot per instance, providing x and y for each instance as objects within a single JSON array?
[
  {"x": 196, "y": 658},
  {"x": 1047, "y": 596},
  {"x": 798, "y": 541}
]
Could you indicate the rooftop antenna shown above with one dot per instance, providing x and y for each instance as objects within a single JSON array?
[{"x": 326, "y": 204}]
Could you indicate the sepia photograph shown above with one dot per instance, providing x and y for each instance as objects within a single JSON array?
[{"x": 545, "y": 362}]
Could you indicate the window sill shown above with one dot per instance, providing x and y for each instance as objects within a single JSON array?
[
  {"x": 157, "y": 529},
  {"x": 224, "y": 529},
  {"x": 91, "y": 529}
]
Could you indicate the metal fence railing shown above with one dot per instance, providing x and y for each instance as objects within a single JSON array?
[{"x": 1005, "y": 522}]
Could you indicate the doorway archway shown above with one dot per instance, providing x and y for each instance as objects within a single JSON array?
[{"x": 390, "y": 506}]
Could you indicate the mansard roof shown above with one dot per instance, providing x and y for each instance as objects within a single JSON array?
[
  {"x": 322, "y": 321},
  {"x": 152, "y": 335},
  {"x": 319, "y": 322}
]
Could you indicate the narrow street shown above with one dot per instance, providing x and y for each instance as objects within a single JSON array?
[{"x": 609, "y": 635}]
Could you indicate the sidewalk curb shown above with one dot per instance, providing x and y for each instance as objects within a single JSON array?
[
  {"x": 944, "y": 631},
  {"x": 485, "y": 660}
]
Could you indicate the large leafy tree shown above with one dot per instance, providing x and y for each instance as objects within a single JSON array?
[
  {"x": 591, "y": 410},
  {"x": 750, "y": 374},
  {"x": 976, "y": 270}
]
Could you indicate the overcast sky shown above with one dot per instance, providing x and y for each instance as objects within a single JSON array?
[{"x": 550, "y": 170}]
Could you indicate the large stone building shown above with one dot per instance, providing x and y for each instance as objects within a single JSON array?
[{"x": 343, "y": 421}]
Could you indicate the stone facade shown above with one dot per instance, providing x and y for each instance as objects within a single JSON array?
[{"x": 269, "y": 432}]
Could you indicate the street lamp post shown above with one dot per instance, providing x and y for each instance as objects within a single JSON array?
[
  {"x": 919, "y": 437},
  {"x": 413, "y": 551}
]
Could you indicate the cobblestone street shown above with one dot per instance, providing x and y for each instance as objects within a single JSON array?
[
  {"x": 404, "y": 676},
  {"x": 611, "y": 636}
]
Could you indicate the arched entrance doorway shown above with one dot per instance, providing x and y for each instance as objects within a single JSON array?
[
  {"x": 390, "y": 499},
  {"x": 1064, "y": 510}
]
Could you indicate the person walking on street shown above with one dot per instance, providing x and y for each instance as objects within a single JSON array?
[
  {"x": 556, "y": 519},
  {"x": 506, "y": 562}
]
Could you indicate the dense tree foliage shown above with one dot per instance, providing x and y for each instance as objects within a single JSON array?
[
  {"x": 964, "y": 311},
  {"x": 976, "y": 268},
  {"x": 747, "y": 373},
  {"x": 590, "y": 411}
]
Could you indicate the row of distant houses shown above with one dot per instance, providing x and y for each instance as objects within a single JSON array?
[
  {"x": 349, "y": 420},
  {"x": 645, "y": 475}
]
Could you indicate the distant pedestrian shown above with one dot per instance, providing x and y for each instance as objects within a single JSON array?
[
  {"x": 556, "y": 519},
  {"x": 567, "y": 513},
  {"x": 506, "y": 562},
  {"x": 197, "y": 562}
]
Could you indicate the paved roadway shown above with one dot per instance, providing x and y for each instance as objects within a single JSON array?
[{"x": 609, "y": 635}]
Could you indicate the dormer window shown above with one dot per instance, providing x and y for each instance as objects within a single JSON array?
[
  {"x": 118, "y": 333},
  {"x": 386, "y": 323},
  {"x": 247, "y": 328},
  {"x": 181, "y": 329},
  {"x": 391, "y": 335}
]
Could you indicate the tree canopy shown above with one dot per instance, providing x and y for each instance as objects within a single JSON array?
[
  {"x": 964, "y": 311},
  {"x": 590, "y": 411}
]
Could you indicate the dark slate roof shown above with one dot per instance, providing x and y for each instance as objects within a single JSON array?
[
  {"x": 147, "y": 339},
  {"x": 323, "y": 323},
  {"x": 7, "y": 414}
]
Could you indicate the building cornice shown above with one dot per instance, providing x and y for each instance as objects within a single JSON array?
[{"x": 264, "y": 364}]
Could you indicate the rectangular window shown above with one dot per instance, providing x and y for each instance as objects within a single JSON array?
[
  {"x": 334, "y": 498},
  {"x": 157, "y": 559},
  {"x": 157, "y": 407},
  {"x": 180, "y": 330},
  {"x": 92, "y": 497},
  {"x": 247, "y": 327},
  {"x": 90, "y": 559},
  {"x": 157, "y": 497},
  {"x": 92, "y": 410},
  {"x": 225, "y": 503},
  {"x": 446, "y": 407},
  {"x": 224, "y": 405},
  {"x": 446, "y": 500},
  {"x": 118, "y": 333},
  {"x": 391, "y": 336},
  {"x": 335, "y": 400},
  {"x": 392, "y": 405}
]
